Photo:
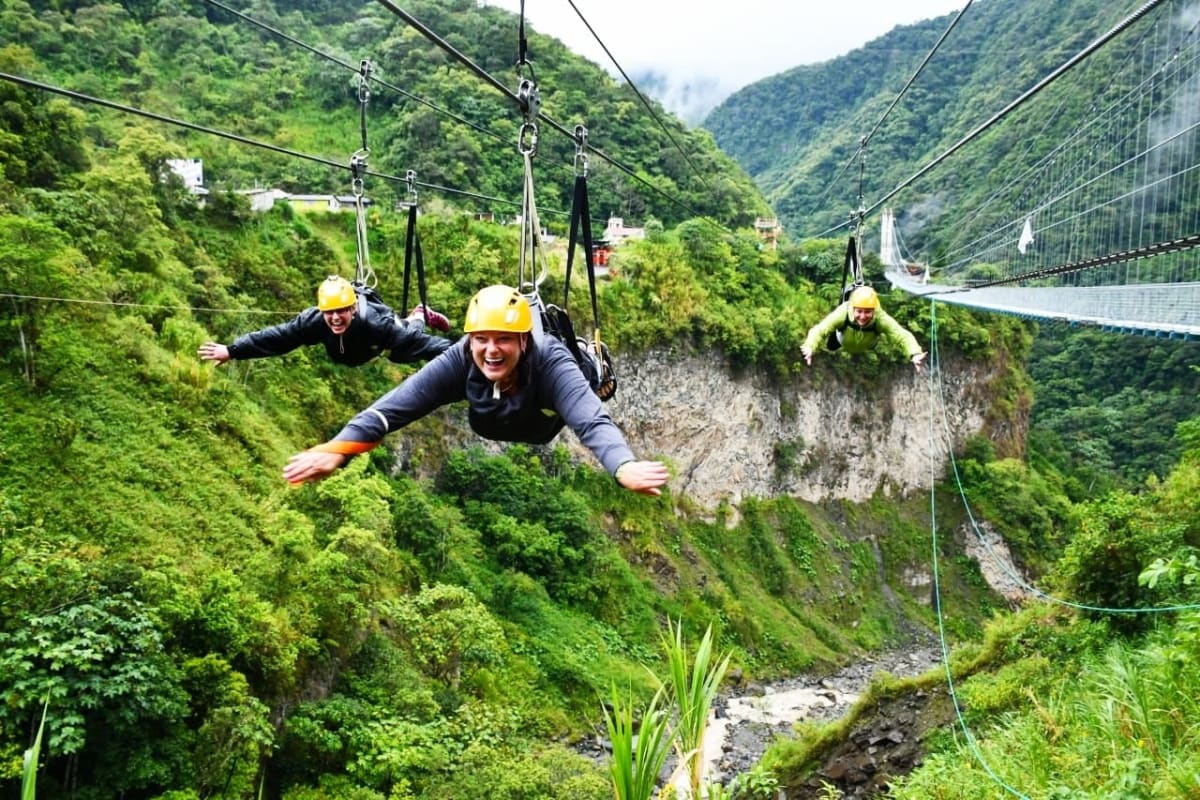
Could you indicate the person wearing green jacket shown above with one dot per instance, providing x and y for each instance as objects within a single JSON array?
[{"x": 856, "y": 325}]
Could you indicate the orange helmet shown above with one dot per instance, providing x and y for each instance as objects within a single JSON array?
[
  {"x": 499, "y": 308},
  {"x": 335, "y": 292}
]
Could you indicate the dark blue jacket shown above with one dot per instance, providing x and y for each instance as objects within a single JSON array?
[{"x": 374, "y": 330}]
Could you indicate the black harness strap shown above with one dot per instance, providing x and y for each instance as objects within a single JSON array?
[
  {"x": 850, "y": 266},
  {"x": 594, "y": 354},
  {"x": 412, "y": 245}
]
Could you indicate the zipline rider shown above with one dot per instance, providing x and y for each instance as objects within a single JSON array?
[
  {"x": 354, "y": 326},
  {"x": 519, "y": 389},
  {"x": 857, "y": 325}
]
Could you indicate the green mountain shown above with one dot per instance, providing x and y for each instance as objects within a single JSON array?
[
  {"x": 439, "y": 619},
  {"x": 289, "y": 76},
  {"x": 797, "y": 132}
]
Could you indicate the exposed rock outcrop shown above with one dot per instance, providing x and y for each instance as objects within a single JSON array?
[{"x": 815, "y": 437}]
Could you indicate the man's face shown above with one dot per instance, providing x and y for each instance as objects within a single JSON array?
[
  {"x": 496, "y": 353},
  {"x": 863, "y": 316},
  {"x": 339, "y": 319}
]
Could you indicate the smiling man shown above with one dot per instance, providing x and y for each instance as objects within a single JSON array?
[
  {"x": 354, "y": 328},
  {"x": 857, "y": 325}
]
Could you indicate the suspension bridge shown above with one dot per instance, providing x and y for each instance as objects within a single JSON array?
[{"x": 1094, "y": 225}]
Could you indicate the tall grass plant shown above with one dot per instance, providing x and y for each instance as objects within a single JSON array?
[{"x": 693, "y": 686}]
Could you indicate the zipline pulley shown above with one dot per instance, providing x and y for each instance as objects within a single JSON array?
[
  {"x": 410, "y": 180},
  {"x": 364, "y": 275},
  {"x": 581, "y": 159},
  {"x": 531, "y": 104},
  {"x": 364, "y": 95}
]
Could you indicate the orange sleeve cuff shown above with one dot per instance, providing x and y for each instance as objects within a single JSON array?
[{"x": 344, "y": 448}]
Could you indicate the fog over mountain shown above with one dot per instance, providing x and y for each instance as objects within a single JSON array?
[{"x": 692, "y": 61}]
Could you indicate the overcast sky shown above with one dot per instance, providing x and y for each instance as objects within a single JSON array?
[{"x": 705, "y": 50}]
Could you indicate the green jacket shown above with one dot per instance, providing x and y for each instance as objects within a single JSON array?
[{"x": 860, "y": 340}]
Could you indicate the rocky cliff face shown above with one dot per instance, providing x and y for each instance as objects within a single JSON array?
[
  {"x": 730, "y": 435},
  {"x": 815, "y": 437}
]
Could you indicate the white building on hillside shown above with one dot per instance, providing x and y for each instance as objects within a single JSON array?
[{"x": 191, "y": 172}]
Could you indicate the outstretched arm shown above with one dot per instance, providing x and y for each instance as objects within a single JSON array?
[
  {"x": 820, "y": 332},
  {"x": 305, "y": 328},
  {"x": 889, "y": 327},
  {"x": 583, "y": 412},
  {"x": 437, "y": 383}
]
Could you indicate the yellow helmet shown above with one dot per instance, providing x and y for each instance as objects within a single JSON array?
[
  {"x": 335, "y": 292},
  {"x": 864, "y": 297},
  {"x": 498, "y": 308}
]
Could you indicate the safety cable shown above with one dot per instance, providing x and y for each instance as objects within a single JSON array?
[
  {"x": 156, "y": 306},
  {"x": 904, "y": 90},
  {"x": 33, "y": 84},
  {"x": 488, "y": 78},
  {"x": 364, "y": 95},
  {"x": 1008, "y": 109},
  {"x": 937, "y": 398},
  {"x": 532, "y": 254},
  {"x": 347, "y": 65},
  {"x": 363, "y": 275},
  {"x": 1017, "y": 578},
  {"x": 1022, "y": 99},
  {"x": 161, "y": 118},
  {"x": 935, "y": 369},
  {"x": 637, "y": 92},
  {"x": 479, "y": 71}
]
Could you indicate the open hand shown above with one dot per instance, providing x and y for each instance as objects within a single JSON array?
[
  {"x": 645, "y": 477},
  {"x": 311, "y": 465},
  {"x": 213, "y": 351}
]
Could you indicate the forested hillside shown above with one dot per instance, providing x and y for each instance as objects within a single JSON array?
[
  {"x": 1101, "y": 508},
  {"x": 797, "y": 133},
  {"x": 1106, "y": 405},
  {"x": 434, "y": 622},
  {"x": 288, "y": 76},
  {"x": 442, "y": 619}
]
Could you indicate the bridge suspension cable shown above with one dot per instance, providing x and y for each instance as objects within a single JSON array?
[{"x": 1101, "y": 224}]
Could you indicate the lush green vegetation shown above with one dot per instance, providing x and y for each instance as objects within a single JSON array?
[
  {"x": 434, "y": 621},
  {"x": 1089, "y": 696},
  {"x": 198, "y": 63},
  {"x": 199, "y": 629},
  {"x": 1107, "y": 405}
]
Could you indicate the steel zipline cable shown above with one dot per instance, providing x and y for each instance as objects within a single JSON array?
[
  {"x": 862, "y": 145},
  {"x": 85, "y": 98},
  {"x": 645, "y": 103},
  {"x": 479, "y": 71},
  {"x": 1026, "y": 96},
  {"x": 488, "y": 78},
  {"x": 937, "y": 399},
  {"x": 1011, "y": 107}
]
